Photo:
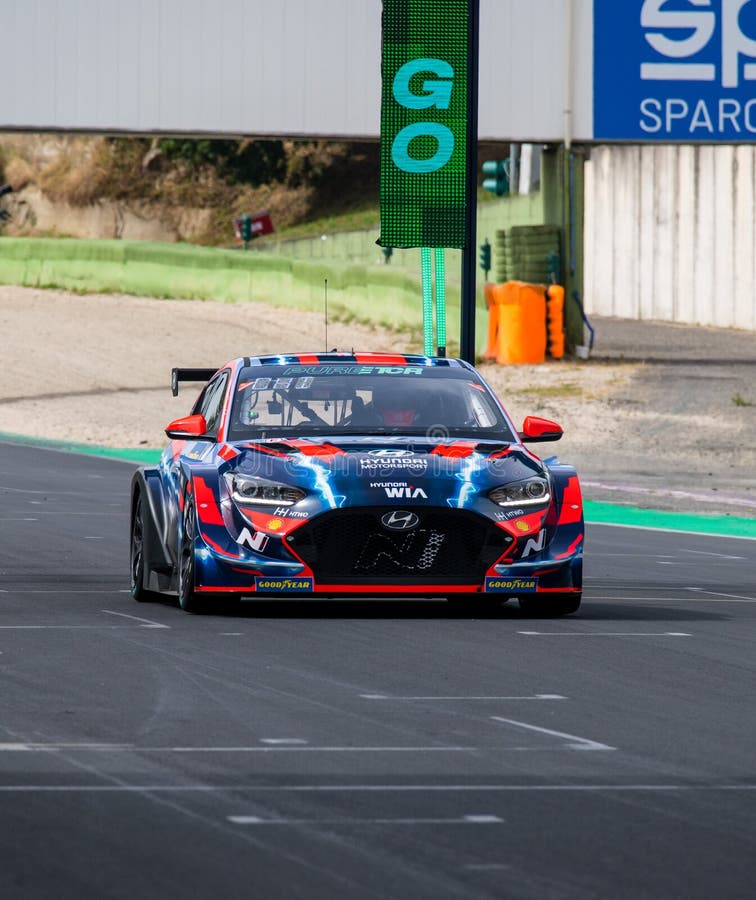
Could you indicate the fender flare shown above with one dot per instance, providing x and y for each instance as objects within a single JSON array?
[{"x": 158, "y": 563}]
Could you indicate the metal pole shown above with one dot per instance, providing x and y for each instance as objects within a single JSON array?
[
  {"x": 467, "y": 311},
  {"x": 426, "y": 276},
  {"x": 440, "y": 268}
]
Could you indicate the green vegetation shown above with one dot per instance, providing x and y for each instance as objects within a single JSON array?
[
  {"x": 741, "y": 401},
  {"x": 240, "y": 162},
  {"x": 359, "y": 219}
]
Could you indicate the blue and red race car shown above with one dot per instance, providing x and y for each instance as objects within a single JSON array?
[{"x": 331, "y": 474}]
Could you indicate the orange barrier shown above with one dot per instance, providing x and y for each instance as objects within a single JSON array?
[
  {"x": 555, "y": 320},
  {"x": 522, "y": 319},
  {"x": 492, "y": 347},
  {"x": 519, "y": 314}
]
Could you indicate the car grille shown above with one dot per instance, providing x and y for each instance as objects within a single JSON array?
[{"x": 351, "y": 546}]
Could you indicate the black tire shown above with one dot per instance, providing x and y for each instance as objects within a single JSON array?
[
  {"x": 138, "y": 590},
  {"x": 188, "y": 600},
  {"x": 550, "y": 607}
]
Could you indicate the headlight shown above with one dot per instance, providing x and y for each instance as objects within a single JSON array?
[
  {"x": 530, "y": 492},
  {"x": 259, "y": 491}
]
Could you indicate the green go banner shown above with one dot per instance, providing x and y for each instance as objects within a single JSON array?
[{"x": 424, "y": 123}]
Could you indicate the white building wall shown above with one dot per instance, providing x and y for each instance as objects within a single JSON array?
[
  {"x": 268, "y": 67},
  {"x": 670, "y": 233}
]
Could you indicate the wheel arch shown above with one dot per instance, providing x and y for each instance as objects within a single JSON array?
[{"x": 158, "y": 564}]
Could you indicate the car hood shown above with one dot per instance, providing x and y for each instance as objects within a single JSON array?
[{"x": 377, "y": 470}]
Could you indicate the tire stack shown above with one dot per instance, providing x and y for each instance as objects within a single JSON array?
[{"x": 522, "y": 253}]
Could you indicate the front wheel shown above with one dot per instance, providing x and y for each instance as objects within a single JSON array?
[
  {"x": 188, "y": 600},
  {"x": 551, "y": 606}
]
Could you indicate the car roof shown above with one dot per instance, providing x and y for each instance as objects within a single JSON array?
[{"x": 369, "y": 359}]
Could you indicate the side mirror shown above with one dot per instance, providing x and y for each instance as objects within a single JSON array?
[
  {"x": 535, "y": 429},
  {"x": 189, "y": 428}
]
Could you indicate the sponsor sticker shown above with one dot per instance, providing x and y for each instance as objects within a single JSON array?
[
  {"x": 274, "y": 524},
  {"x": 352, "y": 369},
  {"x": 509, "y": 514},
  {"x": 380, "y": 465},
  {"x": 535, "y": 544},
  {"x": 400, "y": 490},
  {"x": 502, "y": 585},
  {"x": 254, "y": 540},
  {"x": 284, "y": 585}
]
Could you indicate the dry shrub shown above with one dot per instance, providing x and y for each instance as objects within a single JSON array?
[
  {"x": 73, "y": 177},
  {"x": 19, "y": 173},
  {"x": 321, "y": 178}
]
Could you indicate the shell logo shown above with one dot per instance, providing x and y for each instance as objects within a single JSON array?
[
  {"x": 275, "y": 524},
  {"x": 522, "y": 526}
]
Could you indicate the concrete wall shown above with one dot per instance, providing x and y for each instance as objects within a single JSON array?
[
  {"x": 379, "y": 294},
  {"x": 670, "y": 233}
]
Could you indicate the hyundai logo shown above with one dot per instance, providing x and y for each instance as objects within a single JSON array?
[
  {"x": 388, "y": 454},
  {"x": 400, "y": 520}
]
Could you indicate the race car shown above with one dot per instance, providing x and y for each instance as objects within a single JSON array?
[{"x": 348, "y": 474}]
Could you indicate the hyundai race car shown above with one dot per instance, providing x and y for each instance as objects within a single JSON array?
[{"x": 346, "y": 474}]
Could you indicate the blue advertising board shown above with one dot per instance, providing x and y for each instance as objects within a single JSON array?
[{"x": 675, "y": 70}]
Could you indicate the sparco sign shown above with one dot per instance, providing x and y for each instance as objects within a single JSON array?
[{"x": 675, "y": 70}]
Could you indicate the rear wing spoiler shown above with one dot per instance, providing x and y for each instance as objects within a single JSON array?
[{"x": 178, "y": 375}]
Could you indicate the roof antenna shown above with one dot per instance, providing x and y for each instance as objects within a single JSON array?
[{"x": 325, "y": 296}]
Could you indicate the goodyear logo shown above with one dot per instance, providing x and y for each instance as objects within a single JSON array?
[
  {"x": 511, "y": 585},
  {"x": 283, "y": 585}
]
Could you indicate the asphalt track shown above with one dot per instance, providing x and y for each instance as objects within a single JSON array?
[{"x": 377, "y": 750}]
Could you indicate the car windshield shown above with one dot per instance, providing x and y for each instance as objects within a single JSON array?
[{"x": 341, "y": 398}]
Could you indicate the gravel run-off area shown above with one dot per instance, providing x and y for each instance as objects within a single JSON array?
[{"x": 661, "y": 415}]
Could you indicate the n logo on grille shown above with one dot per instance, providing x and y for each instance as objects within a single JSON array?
[
  {"x": 534, "y": 545},
  {"x": 400, "y": 520}
]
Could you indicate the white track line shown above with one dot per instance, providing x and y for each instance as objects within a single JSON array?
[
  {"x": 636, "y": 599},
  {"x": 708, "y": 553},
  {"x": 272, "y": 745},
  {"x": 148, "y": 623},
  {"x": 369, "y": 788},
  {"x": 463, "y": 820},
  {"x": 607, "y": 633},
  {"x": 28, "y": 747},
  {"x": 706, "y": 534},
  {"x": 737, "y": 597},
  {"x": 533, "y": 697},
  {"x": 74, "y": 627},
  {"x": 576, "y": 743}
]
